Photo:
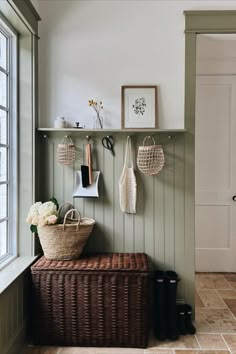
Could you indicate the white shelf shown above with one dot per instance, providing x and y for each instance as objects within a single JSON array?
[{"x": 76, "y": 130}]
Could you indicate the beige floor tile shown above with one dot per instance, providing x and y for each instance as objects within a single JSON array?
[
  {"x": 210, "y": 298},
  {"x": 211, "y": 281},
  {"x": 183, "y": 342},
  {"x": 231, "y": 303},
  {"x": 41, "y": 350},
  {"x": 198, "y": 301},
  {"x": 158, "y": 351},
  {"x": 227, "y": 294},
  {"x": 202, "y": 352},
  {"x": 211, "y": 341},
  {"x": 231, "y": 341},
  {"x": 215, "y": 321},
  {"x": 230, "y": 276},
  {"x": 232, "y": 284},
  {"x": 74, "y": 350},
  {"x": 119, "y": 351}
]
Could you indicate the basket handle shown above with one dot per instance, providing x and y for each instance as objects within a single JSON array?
[
  {"x": 79, "y": 218},
  {"x": 149, "y": 137},
  {"x": 67, "y": 140}
]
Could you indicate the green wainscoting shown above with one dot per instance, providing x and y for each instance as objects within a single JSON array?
[
  {"x": 158, "y": 228},
  {"x": 14, "y": 315}
]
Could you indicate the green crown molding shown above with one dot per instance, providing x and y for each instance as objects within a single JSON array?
[
  {"x": 26, "y": 11},
  {"x": 208, "y": 12},
  {"x": 210, "y": 21}
]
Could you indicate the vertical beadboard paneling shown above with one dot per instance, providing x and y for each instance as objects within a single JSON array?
[
  {"x": 139, "y": 236},
  {"x": 14, "y": 310},
  {"x": 59, "y": 175},
  {"x": 158, "y": 226},
  {"x": 149, "y": 220},
  {"x": 179, "y": 211},
  {"x": 159, "y": 246},
  {"x": 80, "y": 159},
  {"x": 97, "y": 241},
  {"x": 108, "y": 173},
  {"x": 119, "y": 147},
  {"x": 169, "y": 205}
]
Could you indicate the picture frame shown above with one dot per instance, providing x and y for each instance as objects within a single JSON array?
[{"x": 138, "y": 107}]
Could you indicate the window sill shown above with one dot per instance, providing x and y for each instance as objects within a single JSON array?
[{"x": 13, "y": 270}]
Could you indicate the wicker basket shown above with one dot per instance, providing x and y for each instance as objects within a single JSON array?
[
  {"x": 150, "y": 159},
  {"x": 100, "y": 300},
  {"x": 66, "y": 151},
  {"x": 65, "y": 241}
]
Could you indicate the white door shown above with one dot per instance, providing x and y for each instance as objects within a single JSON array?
[{"x": 215, "y": 174}]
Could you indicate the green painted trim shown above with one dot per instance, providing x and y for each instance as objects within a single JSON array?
[
  {"x": 189, "y": 185},
  {"x": 211, "y": 31},
  {"x": 196, "y": 22},
  {"x": 26, "y": 11},
  {"x": 210, "y": 21},
  {"x": 208, "y": 12},
  {"x": 33, "y": 10}
]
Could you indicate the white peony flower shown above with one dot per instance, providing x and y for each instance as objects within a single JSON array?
[
  {"x": 35, "y": 220},
  {"x": 42, "y": 214},
  {"x": 34, "y": 210},
  {"x": 47, "y": 209},
  {"x": 29, "y": 219},
  {"x": 42, "y": 221},
  {"x": 52, "y": 219}
]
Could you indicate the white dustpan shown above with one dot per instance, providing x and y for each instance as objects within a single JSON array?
[{"x": 86, "y": 192}]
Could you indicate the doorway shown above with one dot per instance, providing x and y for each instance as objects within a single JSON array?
[
  {"x": 215, "y": 147},
  {"x": 197, "y": 22}
]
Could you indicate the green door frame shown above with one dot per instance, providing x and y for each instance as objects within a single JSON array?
[{"x": 196, "y": 22}]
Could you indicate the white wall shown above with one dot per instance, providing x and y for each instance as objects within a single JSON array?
[{"x": 88, "y": 49}]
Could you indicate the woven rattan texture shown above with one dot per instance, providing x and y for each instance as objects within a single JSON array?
[
  {"x": 101, "y": 308},
  {"x": 126, "y": 262},
  {"x": 66, "y": 154}
]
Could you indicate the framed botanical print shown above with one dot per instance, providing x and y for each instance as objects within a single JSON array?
[{"x": 138, "y": 107}]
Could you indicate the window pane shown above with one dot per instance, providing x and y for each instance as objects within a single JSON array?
[
  {"x": 3, "y": 51},
  {"x": 3, "y": 164},
  {"x": 3, "y": 238},
  {"x": 3, "y": 127},
  {"x": 3, "y": 89},
  {"x": 3, "y": 201}
]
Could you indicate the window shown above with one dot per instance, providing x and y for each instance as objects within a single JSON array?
[{"x": 8, "y": 143}]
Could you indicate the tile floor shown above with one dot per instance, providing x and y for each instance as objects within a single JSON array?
[{"x": 215, "y": 323}]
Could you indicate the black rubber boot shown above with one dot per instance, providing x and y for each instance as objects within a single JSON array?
[
  {"x": 181, "y": 317},
  {"x": 160, "y": 305},
  {"x": 188, "y": 320},
  {"x": 171, "y": 285}
]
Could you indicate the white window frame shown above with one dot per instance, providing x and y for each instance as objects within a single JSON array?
[{"x": 11, "y": 110}]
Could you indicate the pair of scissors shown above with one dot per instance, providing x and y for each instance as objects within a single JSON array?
[{"x": 108, "y": 143}]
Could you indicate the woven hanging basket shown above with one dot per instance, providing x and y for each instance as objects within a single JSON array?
[
  {"x": 65, "y": 241},
  {"x": 66, "y": 151},
  {"x": 150, "y": 159}
]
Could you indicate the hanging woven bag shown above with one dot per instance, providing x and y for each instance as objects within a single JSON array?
[
  {"x": 127, "y": 183},
  {"x": 66, "y": 151},
  {"x": 150, "y": 159}
]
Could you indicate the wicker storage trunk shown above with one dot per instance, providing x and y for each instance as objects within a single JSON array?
[{"x": 98, "y": 300}]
